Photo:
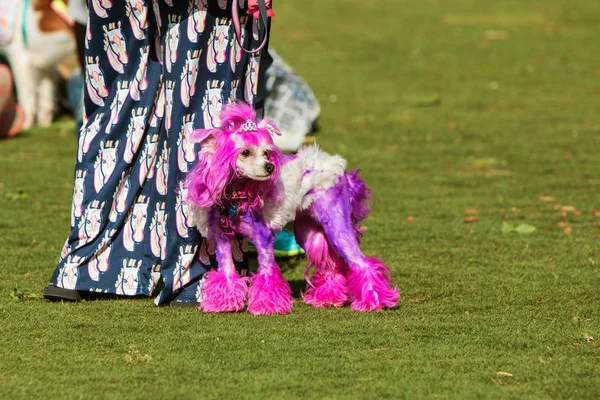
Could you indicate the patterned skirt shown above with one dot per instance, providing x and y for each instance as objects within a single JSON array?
[{"x": 155, "y": 70}]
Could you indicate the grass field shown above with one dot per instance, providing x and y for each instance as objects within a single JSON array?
[{"x": 453, "y": 110}]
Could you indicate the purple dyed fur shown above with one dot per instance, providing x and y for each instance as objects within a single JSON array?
[
  {"x": 269, "y": 293},
  {"x": 369, "y": 288},
  {"x": 222, "y": 293}
]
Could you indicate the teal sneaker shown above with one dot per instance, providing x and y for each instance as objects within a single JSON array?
[{"x": 285, "y": 245}]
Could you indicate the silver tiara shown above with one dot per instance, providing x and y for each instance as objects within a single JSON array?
[{"x": 249, "y": 126}]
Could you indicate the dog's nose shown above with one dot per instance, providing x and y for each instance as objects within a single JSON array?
[{"x": 269, "y": 167}]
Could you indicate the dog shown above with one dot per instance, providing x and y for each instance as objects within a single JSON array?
[
  {"x": 38, "y": 39},
  {"x": 243, "y": 185}
]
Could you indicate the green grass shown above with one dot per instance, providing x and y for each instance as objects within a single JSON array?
[{"x": 441, "y": 118}]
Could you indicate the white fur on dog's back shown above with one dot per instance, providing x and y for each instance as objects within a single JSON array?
[{"x": 314, "y": 171}]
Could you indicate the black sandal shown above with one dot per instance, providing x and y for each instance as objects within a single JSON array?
[{"x": 54, "y": 293}]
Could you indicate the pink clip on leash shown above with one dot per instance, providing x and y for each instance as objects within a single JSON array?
[{"x": 260, "y": 9}]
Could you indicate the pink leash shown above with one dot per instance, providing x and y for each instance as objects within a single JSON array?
[{"x": 254, "y": 8}]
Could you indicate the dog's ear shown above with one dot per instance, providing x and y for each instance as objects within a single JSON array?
[
  {"x": 207, "y": 139},
  {"x": 270, "y": 126}
]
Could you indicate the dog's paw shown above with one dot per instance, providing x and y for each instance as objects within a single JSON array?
[
  {"x": 269, "y": 293},
  {"x": 326, "y": 291},
  {"x": 221, "y": 293},
  {"x": 370, "y": 287}
]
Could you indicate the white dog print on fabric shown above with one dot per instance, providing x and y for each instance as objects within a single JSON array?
[
  {"x": 217, "y": 44},
  {"x": 159, "y": 108},
  {"x": 117, "y": 104},
  {"x": 188, "y": 77},
  {"x": 156, "y": 9},
  {"x": 181, "y": 273},
  {"x": 99, "y": 262},
  {"x": 197, "y": 19},
  {"x": 154, "y": 277},
  {"x": 251, "y": 84},
  {"x": 95, "y": 84},
  {"x": 183, "y": 216},
  {"x": 105, "y": 163},
  {"x": 172, "y": 41},
  {"x": 158, "y": 232},
  {"x": 69, "y": 273},
  {"x": 162, "y": 170},
  {"x": 115, "y": 46},
  {"x": 100, "y": 7},
  {"x": 185, "y": 148},
  {"x": 169, "y": 87},
  {"x": 140, "y": 82},
  {"x": 212, "y": 104},
  {"x": 86, "y": 136},
  {"x": 135, "y": 223},
  {"x": 135, "y": 131},
  {"x": 90, "y": 223},
  {"x": 235, "y": 49},
  {"x": 78, "y": 193},
  {"x": 65, "y": 250},
  {"x": 234, "y": 87},
  {"x": 207, "y": 250},
  {"x": 137, "y": 12},
  {"x": 222, "y": 4},
  {"x": 119, "y": 203},
  {"x": 148, "y": 158},
  {"x": 129, "y": 277}
]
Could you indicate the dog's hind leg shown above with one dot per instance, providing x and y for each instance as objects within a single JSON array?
[
  {"x": 269, "y": 292},
  {"x": 328, "y": 286},
  {"x": 223, "y": 289},
  {"x": 369, "y": 283}
]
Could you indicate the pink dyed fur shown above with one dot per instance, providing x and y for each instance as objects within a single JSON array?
[
  {"x": 369, "y": 288},
  {"x": 269, "y": 293},
  {"x": 222, "y": 293},
  {"x": 327, "y": 290},
  {"x": 328, "y": 285}
]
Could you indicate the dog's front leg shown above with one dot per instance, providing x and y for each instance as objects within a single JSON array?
[
  {"x": 223, "y": 289},
  {"x": 269, "y": 292}
]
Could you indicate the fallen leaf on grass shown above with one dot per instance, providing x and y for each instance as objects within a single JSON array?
[
  {"x": 135, "y": 357},
  {"x": 587, "y": 337},
  {"x": 557, "y": 206},
  {"x": 547, "y": 199},
  {"x": 596, "y": 213},
  {"x": 503, "y": 373},
  {"x": 492, "y": 34},
  {"x": 469, "y": 220},
  {"x": 568, "y": 208},
  {"x": 470, "y": 211},
  {"x": 562, "y": 214},
  {"x": 417, "y": 300},
  {"x": 568, "y": 230},
  {"x": 15, "y": 196},
  {"x": 433, "y": 100},
  {"x": 19, "y": 295},
  {"x": 521, "y": 228},
  {"x": 562, "y": 224},
  {"x": 410, "y": 219}
]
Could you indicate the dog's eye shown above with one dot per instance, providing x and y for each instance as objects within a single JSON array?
[
  {"x": 266, "y": 154},
  {"x": 246, "y": 153}
]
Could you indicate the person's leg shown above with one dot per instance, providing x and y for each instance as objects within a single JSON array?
[
  {"x": 108, "y": 250},
  {"x": 12, "y": 117}
]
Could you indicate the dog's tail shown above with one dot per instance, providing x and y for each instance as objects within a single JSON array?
[{"x": 359, "y": 199}]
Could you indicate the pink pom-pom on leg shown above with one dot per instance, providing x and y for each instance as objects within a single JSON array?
[
  {"x": 327, "y": 290},
  {"x": 370, "y": 287},
  {"x": 269, "y": 293},
  {"x": 222, "y": 293}
]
